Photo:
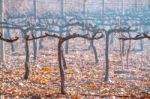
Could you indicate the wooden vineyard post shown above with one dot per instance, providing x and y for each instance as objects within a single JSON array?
[{"x": 2, "y": 53}]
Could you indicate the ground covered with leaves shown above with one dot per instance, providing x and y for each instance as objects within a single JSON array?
[{"x": 83, "y": 79}]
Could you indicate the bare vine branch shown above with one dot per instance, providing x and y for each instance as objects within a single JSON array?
[
  {"x": 8, "y": 40},
  {"x": 137, "y": 37}
]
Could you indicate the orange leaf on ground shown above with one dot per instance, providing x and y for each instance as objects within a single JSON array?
[
  {"x": 76, "y": 97},
  {"x": 147, "y": 83},
  {"x": 92, "y": 86},
  {"x": 47, "y": 70}
]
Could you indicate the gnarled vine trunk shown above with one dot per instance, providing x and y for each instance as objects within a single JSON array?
[
  {"x": 107, "y": 57},
  {"x": 26, "y": 75},
  {"x": 62, "y": 75}
]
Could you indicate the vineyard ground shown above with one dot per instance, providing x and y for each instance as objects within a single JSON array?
[{"x": 83, "y": 78}]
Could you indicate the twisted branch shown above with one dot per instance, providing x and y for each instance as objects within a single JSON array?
[{"x": 8, "y": 40}]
